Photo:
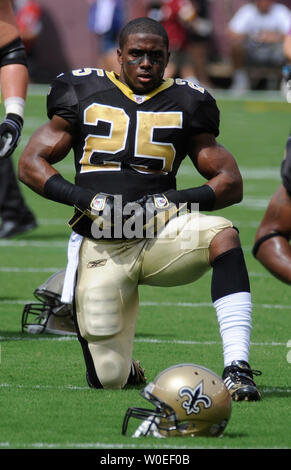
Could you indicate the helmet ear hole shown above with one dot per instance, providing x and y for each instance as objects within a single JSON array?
[{"x": 190, "y": 400}]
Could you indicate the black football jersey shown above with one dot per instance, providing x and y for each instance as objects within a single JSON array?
[{"x": 129, "y": 144}]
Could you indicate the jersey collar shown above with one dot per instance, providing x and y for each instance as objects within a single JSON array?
[{"x": 139, "y": 99}]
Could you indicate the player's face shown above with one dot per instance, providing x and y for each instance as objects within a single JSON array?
[{"x": 143, "y": 60}]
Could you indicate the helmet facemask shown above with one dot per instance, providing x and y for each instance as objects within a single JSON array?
[{"x": 50, "y": 315}]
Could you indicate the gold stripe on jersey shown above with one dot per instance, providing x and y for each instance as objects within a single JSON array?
[{"x": 113, "y": 76}]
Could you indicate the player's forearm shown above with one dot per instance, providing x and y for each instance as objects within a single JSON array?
[
  {"x": 34, "y": 171},
  {"x": 14, "y": 81},
  {"x": 216, "y": 164},
  {"x": 48, "y": 145},
  {"x": 228, "y": 189}
]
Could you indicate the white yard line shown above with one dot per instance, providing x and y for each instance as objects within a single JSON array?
[
  {"x": 34, "y": 243},
  {"x": 164, "y": 304},
  {"x": 96, "y": 445},
  {"x": 87, "y": 389},
  {"x": 111, "y": 446},
  {"x": 137, "y": 340},
  {"x": 4, "y": 269}
]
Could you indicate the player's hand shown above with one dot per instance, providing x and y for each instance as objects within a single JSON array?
[
  {"x": 152, "y": 212},
  {"x": 95, "y": 206},
  {"x": 10, "y": 132},
  {"x": 144, "y": 217}
]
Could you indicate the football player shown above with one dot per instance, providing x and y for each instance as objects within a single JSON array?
[
  {"x": 272, "y": 240},
  {"x": 16, "y": 216},
  {"x": 131, "y": 226}
]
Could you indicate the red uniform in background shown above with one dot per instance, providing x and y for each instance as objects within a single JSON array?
[
  {"x": 175, "y": 15},
  {"x": 28, "y": 16}
]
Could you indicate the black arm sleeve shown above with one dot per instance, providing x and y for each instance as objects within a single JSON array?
[
  {"x": 202, "y": 195},
  {"x": 60, "y": 190}
]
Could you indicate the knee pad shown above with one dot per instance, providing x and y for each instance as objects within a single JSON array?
[
  {"x": 101, "y": 315},
  {"x": 111, "y": 367}
]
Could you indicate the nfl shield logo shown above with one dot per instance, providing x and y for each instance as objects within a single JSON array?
[
  {"x": 161, "y": 202},
  {"x": 139, "y": 99},
  {"x": 98, "y": 203}
]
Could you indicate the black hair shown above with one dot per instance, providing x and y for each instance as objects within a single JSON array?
[{"x": 143, "y": 25}]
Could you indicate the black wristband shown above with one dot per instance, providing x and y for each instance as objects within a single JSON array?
[
  {"x": 202, "y": 195},
  {"x": 60, "y": 190}
]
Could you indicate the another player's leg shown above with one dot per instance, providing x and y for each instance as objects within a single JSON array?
[{"x": 232, "y": 300}]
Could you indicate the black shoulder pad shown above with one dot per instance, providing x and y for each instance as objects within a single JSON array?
[
  {"x": 286, "y": 167},
  {"x": 62, "y": 99},
  {"x": 206, "y": 117}
]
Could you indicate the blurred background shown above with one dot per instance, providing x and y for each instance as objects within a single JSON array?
[{"x": 62, "y": 35}]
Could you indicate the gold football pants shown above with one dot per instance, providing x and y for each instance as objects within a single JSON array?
[{"x": 109, "y": 273}]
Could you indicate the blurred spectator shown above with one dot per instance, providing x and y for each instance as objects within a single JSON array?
[
  {"x": 287, "y": 45},
  {"x": 286, "y": 71},
  {"x": 256, "y": 33},
  {"x": 174, "y": 15},
  {"x": 28, "y": 15},
  {"x": 106, "y": 18},
  {"x": 200, "y": 35}
]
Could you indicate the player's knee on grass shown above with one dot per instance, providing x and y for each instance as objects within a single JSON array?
[
  {"x": 101, "y": 325},
  {"x": 111, "y": 367}
]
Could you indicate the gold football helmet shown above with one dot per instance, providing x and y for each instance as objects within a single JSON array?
[
  {"x": 190, "y": 400},
  {"x": 50, "y": 315}
]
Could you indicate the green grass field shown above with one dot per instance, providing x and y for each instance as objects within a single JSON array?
[{"x": 44, "y": 399}]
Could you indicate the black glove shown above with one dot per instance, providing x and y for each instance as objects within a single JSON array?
[
  {"x": 150, "y": 214},
  {"x": 144, "y": 217},
  {"x": 10, "y": 132},
  {"x": 100, "y": 208}
]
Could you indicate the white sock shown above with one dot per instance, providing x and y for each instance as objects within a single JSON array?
[{"x": 234, "y": 314}]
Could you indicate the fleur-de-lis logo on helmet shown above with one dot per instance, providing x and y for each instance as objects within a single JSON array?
[{"x": 195, "y": 396}]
